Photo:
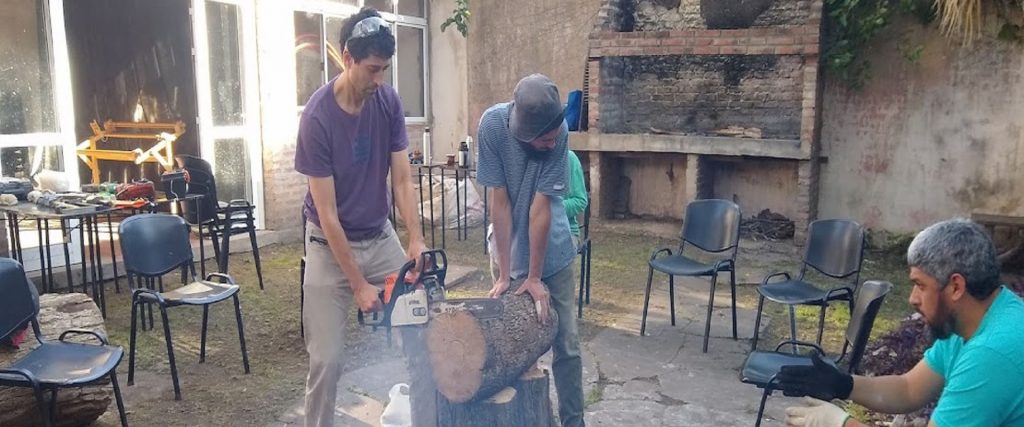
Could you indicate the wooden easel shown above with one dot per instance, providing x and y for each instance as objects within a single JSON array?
[{"x": 164, "y": 134}]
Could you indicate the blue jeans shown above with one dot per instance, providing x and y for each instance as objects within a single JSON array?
[{"x": 567, "y": 366}]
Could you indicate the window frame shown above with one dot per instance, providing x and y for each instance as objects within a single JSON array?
[{"x": 329, "y": 9}]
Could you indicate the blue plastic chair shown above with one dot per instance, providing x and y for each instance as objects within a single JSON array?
[
  {"x": 712, "y": 226},
  {"x": 835, "y": 248},
  {"x": 154, "y": 245},
  {"x": 761, "y": 367},
  {"x": 53, "y": 364}
]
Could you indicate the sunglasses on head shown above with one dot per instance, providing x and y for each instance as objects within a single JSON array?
[{"x": 369, "y": 27}]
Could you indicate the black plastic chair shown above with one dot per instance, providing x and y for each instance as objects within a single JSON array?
[
  {"x": 835, "y": 248},
  {"x": 712, "y": 226},
  {"x": 154, "y": 245},
  {"x": 53, "y": 364},
  {"x": 762, "y": 367},
  {"x": 584, "y": 251},
  {"x": 221, "y": 219}
]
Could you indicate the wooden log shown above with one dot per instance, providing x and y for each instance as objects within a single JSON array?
[
  {"x": 472, "y": 358},
  {"x": 526, "y": 403},
  {"x": 75, "y": 406}
]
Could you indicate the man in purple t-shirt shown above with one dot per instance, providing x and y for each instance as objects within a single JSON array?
[{"x": 351, "y": 135}]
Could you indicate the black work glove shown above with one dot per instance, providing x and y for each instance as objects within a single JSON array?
[{"x": 821, "y": 380}]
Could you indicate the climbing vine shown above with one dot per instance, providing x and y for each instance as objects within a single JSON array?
[
  {"x": 851, "y": 25},
  {"x": 459, "y": 18}
]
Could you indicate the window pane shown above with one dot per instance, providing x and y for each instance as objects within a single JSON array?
[
  {"x": 234, "y": 178},
  {"x": 348, "y": 2},
  {"x": 309, "y": 68},
  {"x": 411, "y": 8},
  {"x": 334, "y": 46},
  {"x": 26, "y": 89},
  {"x": 410, "y": 70},
  {"x": 381, "y": 5},
  {"x": 222, "y": 23},
  {"x": 22, "y": 162}
]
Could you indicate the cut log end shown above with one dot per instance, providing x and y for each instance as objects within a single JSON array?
[{"x": 455, "y": 343}]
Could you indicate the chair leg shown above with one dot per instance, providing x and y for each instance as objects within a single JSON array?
[
  {"x": 117, "y": 398},
  {"x": 579, "y": 300},
  {"x": 170, "y": 352},
  {"x": 672, "y": 297},
  {"x": 53, "y": 404},
  {"x": 757, "y": 322},
  {"x": 711, "y": 306},
  {"x": 821, "y": 322},
  {"x": 647, "y": 300},
  {"x": 131, "y": 345},
  {"x": 43, "y": 412},
  {"x": 202, "y": 341},
  {"x": 255, "y": 249},
  {"x": 732, "y": 285},
  {"x": 241, "y": 333},
  {"x": 792, "y": 324},
  {"x": 760, "y": 409},
  {"x": 590, "y": 248}
]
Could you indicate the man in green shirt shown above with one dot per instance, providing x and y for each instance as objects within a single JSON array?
[
  {"x": 575, "y": 201},
  {"x": 975, "y": 367},
  {"x": 576, "y": 198}
]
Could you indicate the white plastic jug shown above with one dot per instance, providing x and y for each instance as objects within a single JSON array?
[{"x": 398, "y": 413}]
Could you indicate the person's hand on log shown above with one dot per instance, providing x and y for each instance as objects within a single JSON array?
[
  {"x": 500, "y": 286},
  {"x": 539, "y": 292},
  {"x": 367, "y": 296}
]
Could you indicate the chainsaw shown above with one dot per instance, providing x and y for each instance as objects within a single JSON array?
[{"x": 409, "y": 300}]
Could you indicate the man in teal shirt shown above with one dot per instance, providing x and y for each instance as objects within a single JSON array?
[
  {"x": 576, "y": 198},
  {"x": 975, "y": 367}
]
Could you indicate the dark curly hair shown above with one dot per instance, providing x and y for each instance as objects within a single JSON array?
[{"x": 381, "y": 44}]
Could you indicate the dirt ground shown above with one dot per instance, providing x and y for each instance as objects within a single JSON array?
[{"x": 218, "y": 393}]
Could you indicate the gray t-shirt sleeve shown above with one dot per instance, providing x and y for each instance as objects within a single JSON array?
[
  {"x": 313, "y": 149},
  {"x": 489, "y": 170},
  {"x": 554, "y": 174}
]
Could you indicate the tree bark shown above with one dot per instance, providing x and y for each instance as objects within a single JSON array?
[
  {"x": 525, "y": 403},
  {"x": 75, "y": 405},
  {"x": 473, "y": 358}
]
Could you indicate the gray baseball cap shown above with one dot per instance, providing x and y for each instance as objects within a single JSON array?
[{"x": 536, "y": 108}]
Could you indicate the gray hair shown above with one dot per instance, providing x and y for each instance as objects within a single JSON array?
[{"x": 957, "y": 246}]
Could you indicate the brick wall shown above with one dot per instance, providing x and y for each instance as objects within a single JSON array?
[
  {"x": 653, "y": 15},
  {"x": 699, "y": 94}
]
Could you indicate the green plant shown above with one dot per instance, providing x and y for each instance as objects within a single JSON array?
[
  {"x": 459, "y": 18},
  {"x": 852, "y": 24}
]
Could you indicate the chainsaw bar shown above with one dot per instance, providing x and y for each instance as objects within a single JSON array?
[{"x": 481, "y": 308}]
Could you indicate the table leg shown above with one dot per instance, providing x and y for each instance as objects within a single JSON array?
[
  {"x": 49, "y": 257},
  {"x": 99, "y": 262},
  {"x": 85, "y": 255},
  {"x": 42, "y": 256},
  {"x": 65, "y": 239},
  {"x": 13, "y": 237},
  {"x": 113, "y": 253}
]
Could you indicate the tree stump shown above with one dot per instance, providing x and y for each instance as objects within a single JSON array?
[
  {"x": 525, "y": 403},
  {"x": 472, "y": 358},
  {"x": 75, "y": 405}
]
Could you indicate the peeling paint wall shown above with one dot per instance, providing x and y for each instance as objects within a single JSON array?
[
  {"x": 658, "y": 185},
  {"x": 756, "y": 185},
  {"x": 927, "y": 141},
  {"x": 509, "y": 40}
]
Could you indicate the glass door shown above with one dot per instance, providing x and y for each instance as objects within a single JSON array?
[
  {"x": 225, "y": 58},
  {"x": 36, "y": 111}
]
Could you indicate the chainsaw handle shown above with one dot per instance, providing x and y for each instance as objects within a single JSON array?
[{"x": 434, "y": 267}]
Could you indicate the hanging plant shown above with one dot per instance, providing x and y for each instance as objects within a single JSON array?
[
  {"x": 960, "y": 19},
  {"x": 459, "y": 18}
]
